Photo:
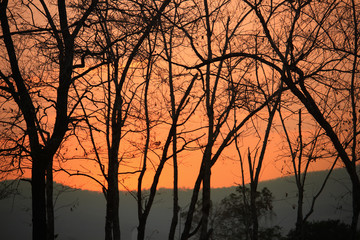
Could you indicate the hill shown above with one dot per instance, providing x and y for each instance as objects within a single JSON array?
[{"x": 80, "y": 214}]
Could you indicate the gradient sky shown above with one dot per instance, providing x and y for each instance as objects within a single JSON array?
[{"x": 225, "y": 173}]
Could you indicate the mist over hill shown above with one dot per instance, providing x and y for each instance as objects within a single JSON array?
[{"x": 80, "y": 214}]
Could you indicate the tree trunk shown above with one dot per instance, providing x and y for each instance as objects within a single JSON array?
[
  {"x": 112, "y": 223},
  {"x": 141, "y": 228},
  {"x": 49, "y": 202},
  {"x": 299, "y": 219},
  {"x": 356, "y": 211},
  {"x": 187, "y": 226},
  {"x": 175, "y": 217},
  {"x": 313, "y": 109},
  {"x": 253, "y": 209},
  {"x": 206, "y": 203},
  {"x": 38, "y": 200}
]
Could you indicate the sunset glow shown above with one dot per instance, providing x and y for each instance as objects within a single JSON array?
[{"x": 182, "y": 97}]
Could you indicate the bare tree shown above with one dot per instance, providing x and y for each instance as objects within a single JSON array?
[
  {"x": 118, "y": 90},
  {"x": 177, "y": 113},
  {"x": 255, "y": 170},
  {"x": 225, "y": 88},
  {"x": 306, "y": 52},
  {"x": 303, "y": 152},
  {"x": 42, "y": 138}
]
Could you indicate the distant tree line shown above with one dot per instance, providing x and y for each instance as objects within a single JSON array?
[
  {"x": 132, "y": 87},
  {"x": 230, "y": 219}
]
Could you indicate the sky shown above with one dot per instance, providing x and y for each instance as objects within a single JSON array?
[{"x": 225, "y": 173}]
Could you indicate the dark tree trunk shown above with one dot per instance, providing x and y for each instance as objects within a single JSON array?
[
  {"x": 299, "y": 220},
  {"x": 206, "y": 202},
  {"x": 141, "y": 227},
  {"x": 175, "y": 216},
  {"x": 253, "y": 209},
  {"x": 112, "y": 225},
  {"x": 356, "y": 211},
  {"x": 174, "y": 220},
  {"x": 38, "y": 200},
  {"x": 187, "y": 226},
  {"x": 143, "y": 216},
  {"x": 49, "y": 202}
]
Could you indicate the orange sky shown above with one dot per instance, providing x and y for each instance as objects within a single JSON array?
[{"x": 225, "y": 173}]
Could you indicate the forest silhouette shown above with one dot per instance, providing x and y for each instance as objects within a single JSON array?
[{"x": 115, "y": 90}]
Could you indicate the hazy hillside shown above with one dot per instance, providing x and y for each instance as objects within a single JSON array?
[{"x": 80, "y": 214}]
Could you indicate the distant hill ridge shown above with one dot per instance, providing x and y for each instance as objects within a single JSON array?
[{"x": 80, "y": 214}]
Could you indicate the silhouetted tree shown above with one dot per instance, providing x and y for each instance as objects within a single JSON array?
[
  {"x": 315, "y": 57},
  {"x": 297, "y": 45},
  {"x": 178, "y": 111},
  {"x": 255, "y": 167},
  {"x": 222, "y": 93},
  {"x": 24, "y": 89},
  {"x": 118, "y": 89},
  {"x": 232, "y": 217},
  {"x": 304, "y": 151}
]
